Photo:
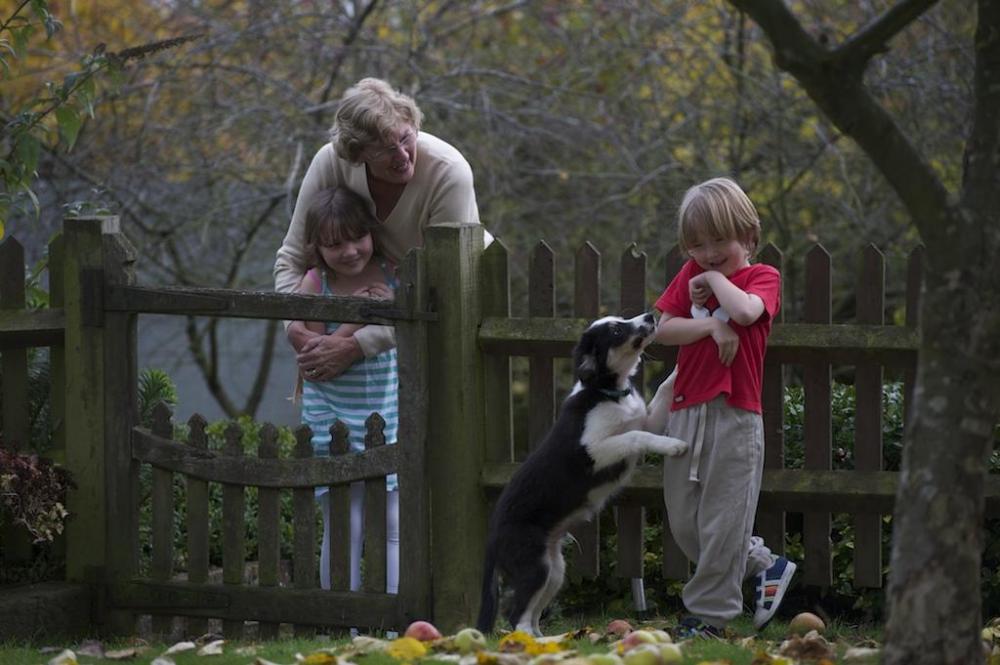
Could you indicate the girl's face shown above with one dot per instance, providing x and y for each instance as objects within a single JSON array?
[
  {"x": 347, "y": 257},
  {"x": 719, "y": 254},
  {"x": 395, "y": 160}
]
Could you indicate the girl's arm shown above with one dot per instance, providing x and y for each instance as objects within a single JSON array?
[
  {"x": 679, "y": 331},
  {"x": 376, "y": 291}
]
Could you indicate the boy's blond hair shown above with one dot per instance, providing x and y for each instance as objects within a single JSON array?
[{"x": 718, "y": 208}]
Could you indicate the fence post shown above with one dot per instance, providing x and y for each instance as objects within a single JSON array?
[
  {"x": 456, "y": 427},
  {"x": 86, "y": 542},
  {"x": 14, "y": 390},
  {"x": 121, "y": 414}
]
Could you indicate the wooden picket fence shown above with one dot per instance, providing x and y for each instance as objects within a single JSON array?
[{"x": 456, "y": 446}]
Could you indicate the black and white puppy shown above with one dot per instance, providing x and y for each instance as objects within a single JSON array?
[{"x": 588, "y": 454}]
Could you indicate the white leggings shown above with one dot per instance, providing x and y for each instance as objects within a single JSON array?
[{"x": 357, "y": 520}]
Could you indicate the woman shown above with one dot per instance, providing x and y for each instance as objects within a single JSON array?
[{"x": 409, "y": 178}]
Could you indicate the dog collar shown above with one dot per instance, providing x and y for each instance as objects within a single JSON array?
[{"x": 616, "y": 394}]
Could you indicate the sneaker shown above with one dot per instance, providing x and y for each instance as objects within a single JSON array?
[
  {"x": 691, "y": 627},
  {"x": 770, "y": 589}
]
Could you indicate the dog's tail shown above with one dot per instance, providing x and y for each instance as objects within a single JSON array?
[{"x": 488, "y": 600}]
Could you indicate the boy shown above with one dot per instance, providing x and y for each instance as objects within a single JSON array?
[{"x": 719, "y": 309}]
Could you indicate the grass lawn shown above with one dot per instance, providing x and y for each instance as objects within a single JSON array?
[{"x": 742, "y": 647}]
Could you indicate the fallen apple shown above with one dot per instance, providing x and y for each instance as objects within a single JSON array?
[
  {"x": 804, "y": 622},
  {"x": 423, "y": 631},
  {"x": 619, "y": 627},
  {"x": 468, "y": 640},
  {"x": 604, "y": 659},
  {"x": 644, "y": 654},
  {"x": 637, "y": 637},
  {"x": 671, "y": 653},
  {"x": 660, "y": 635}
]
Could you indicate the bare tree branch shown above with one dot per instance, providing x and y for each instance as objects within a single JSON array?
[
  {"x": 875, "y": 37},
  {"x": 338, "y": 61},
  {"x": 841, "y": 95},
  {"x": 983, "y": 148}
]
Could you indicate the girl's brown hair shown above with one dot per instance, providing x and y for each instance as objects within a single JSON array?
[{"x": 335, "y": 215}]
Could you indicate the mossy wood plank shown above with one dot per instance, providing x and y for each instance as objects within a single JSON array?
[
  {"x": 817, "y": 421},
  {"x": 459, "y": 514},
  {"x": 254, "y": 305},
  {"x": 374, "y": 514},
  {"x": 303, "y": 607},
  {"x": 162, "y": 498},
  {"x": 414, "y": 497},
  {"x": 791, "y": 490},
  {"x": 675, "y": 563},
  {"x": 631, "y": 516},
  {"x": 495, "y": 286},
  {"x": 57, "y": 355},
  {"x": 304, "y": 528},
  {"x": 197, "y": 520},
  {"x": 870, "y": 300},
  {"x": 121, "y": 414},
  {"x": 275, "y": 473},
  {"x": 789, "y": 342},
  {"x": 86, "y": 549},
  {"x": 233, "y": 527},
  {"x": 340, "y": 515},
  {"x": 770, "y": 525},
  {"x": 14, "y": 388},
  {"x": 541, "y": 377},
  {"x": 587, "y": 305},
  {"x": 268, "y": 527}
]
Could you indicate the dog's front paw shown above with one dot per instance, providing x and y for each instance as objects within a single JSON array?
[{"x": 669, "y": 446}]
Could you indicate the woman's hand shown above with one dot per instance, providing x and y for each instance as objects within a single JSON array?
[
  {"x": 376, "y": 291},
  {"x": 727, "y": 340},
  {"x": 325, "y": 357}
]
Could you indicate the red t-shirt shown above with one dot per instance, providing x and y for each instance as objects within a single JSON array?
[{"x": 701, "y": 376}]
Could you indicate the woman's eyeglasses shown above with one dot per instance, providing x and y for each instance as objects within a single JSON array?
[{"x": 404, "y": 142}]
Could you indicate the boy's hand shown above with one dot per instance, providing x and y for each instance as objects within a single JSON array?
[
  {"x": 699, "y": 289},
  {"x": 727, "y": 340}
]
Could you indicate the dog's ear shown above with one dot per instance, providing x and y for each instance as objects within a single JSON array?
[{"x": 585, "y": 358}]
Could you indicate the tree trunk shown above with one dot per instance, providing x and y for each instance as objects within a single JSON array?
[{"x": 934, "y": 576}]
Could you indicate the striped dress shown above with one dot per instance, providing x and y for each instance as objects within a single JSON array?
[{"x": 369, "y": 385}]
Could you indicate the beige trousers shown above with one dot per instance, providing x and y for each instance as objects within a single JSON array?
[{"x": 711, "y": 495}]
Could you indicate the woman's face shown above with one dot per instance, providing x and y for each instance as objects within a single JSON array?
[
  {"x": 394, "y": 160},
  {"x": 347, "y": 257}
]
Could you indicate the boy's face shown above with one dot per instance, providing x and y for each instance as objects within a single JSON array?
[{"x": 719, "y": 254}]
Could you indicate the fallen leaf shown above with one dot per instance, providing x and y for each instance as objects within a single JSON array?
[
  {"x": 91, "y": 648},
  {"x": 180, "y": 647},
  {"x": 812, "y": 646},
  {"x": 212, "y": 648},
  {"x": 65, "y": 657},
  {"x": 406, "y": 649},
  {"x": 860, "y": 652},
  {"x": 319, "y": 658},
  {"x": 123, "y": 654}
]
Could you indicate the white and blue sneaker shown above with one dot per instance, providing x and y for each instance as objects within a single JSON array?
[{"x": 769, "y": 590}]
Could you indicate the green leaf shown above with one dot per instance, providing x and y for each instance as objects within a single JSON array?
[
  {"x": 69, "y": 124},
  {"x": 2, "y": 228},
  {"x": 27, "y": 152}
]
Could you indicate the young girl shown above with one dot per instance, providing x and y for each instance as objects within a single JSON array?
[{"x": 344, "y": 260}]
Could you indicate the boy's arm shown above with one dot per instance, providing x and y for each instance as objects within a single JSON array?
[
  {"x": 679, "y": 331},
  {"x": 743, "y": 308}
]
